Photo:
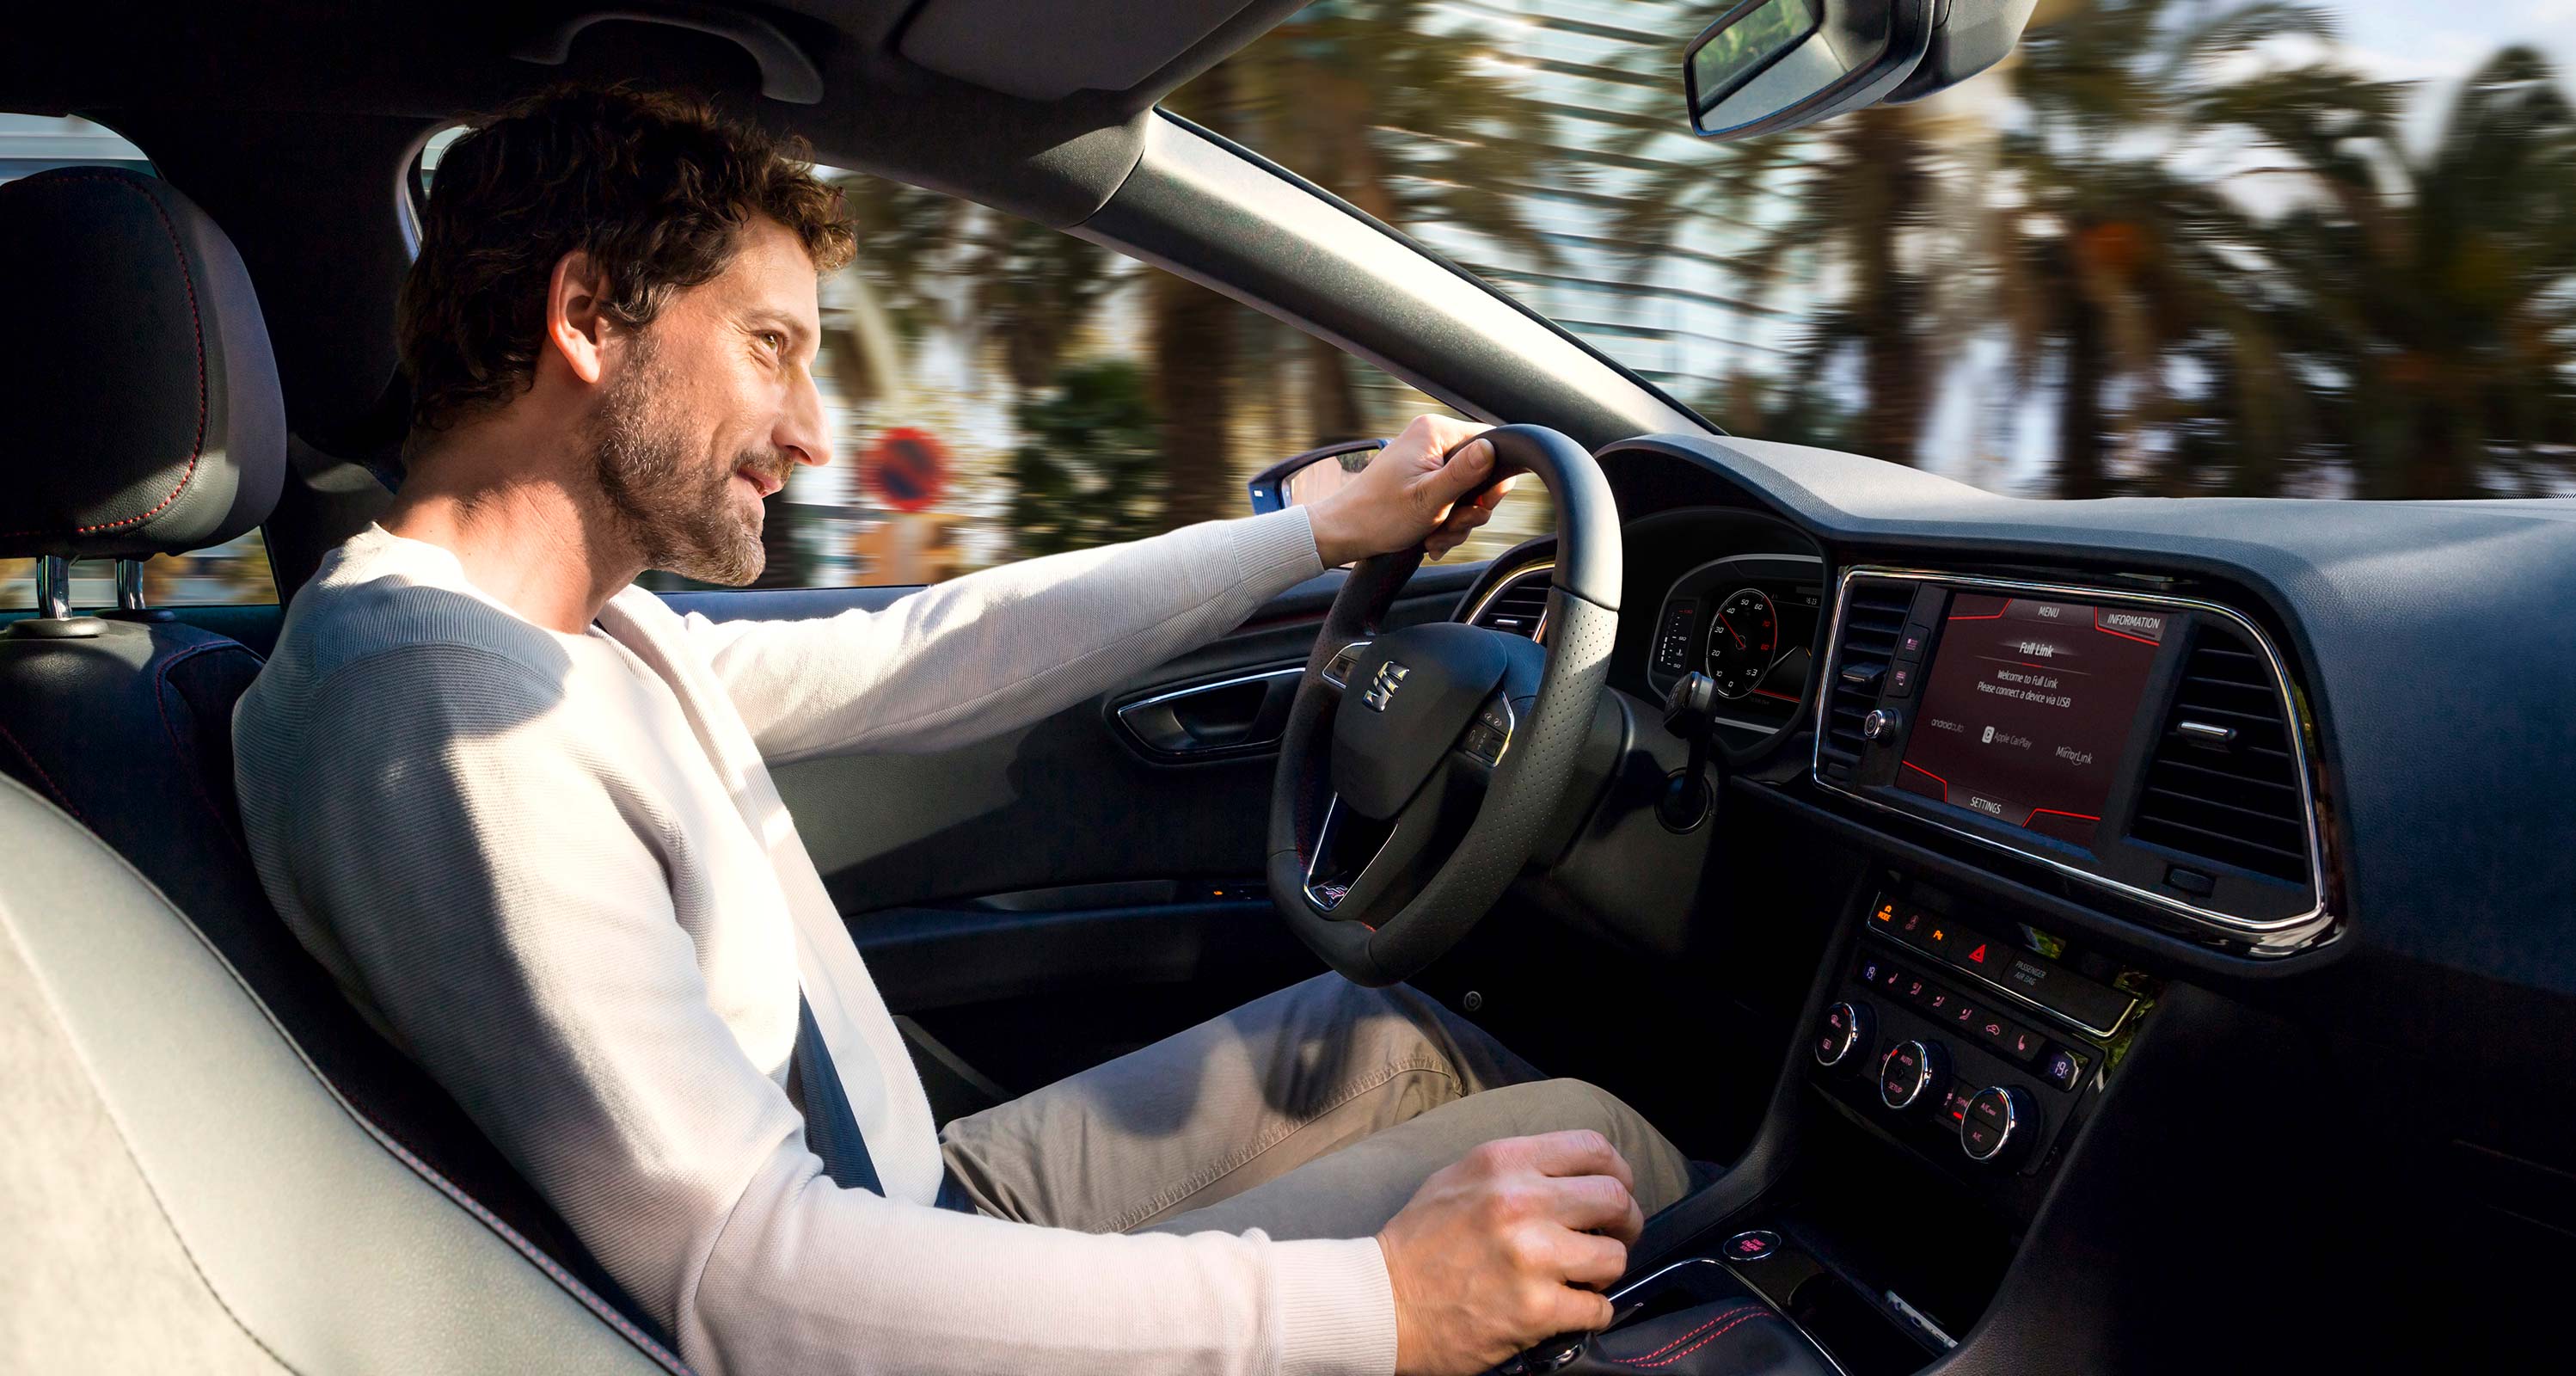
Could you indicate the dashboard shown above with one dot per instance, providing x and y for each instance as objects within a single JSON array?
[
  {"x": 2245, "y": 739},
  {"x": 2227, "y": 837}
]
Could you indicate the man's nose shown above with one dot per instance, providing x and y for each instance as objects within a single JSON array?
[{"x": 803, "y": 430}]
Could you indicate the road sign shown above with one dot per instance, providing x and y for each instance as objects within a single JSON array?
[{"x": 906, "y": 469}]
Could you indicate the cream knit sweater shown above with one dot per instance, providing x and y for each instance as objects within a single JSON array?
[{"x": 554, "y": 869}]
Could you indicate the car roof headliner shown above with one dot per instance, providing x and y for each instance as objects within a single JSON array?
[{"x": 951, "y": 94}]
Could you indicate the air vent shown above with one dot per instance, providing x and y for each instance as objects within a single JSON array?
[
  {"x": 2224, "y": 783},
  {"x": 1874, "y": 615},
  {"x": 1518, "y": 604}
]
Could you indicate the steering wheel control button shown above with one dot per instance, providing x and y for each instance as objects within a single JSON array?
[
  {"x": 1338, "y": 671},
  {"x": 1490, "y": 734},
  {"x": 2064, "y": 1067},
  {"x": 1880, "y": 724},
  {"x": 1846, "y": 1031},
  {"x": 1912, "y": 1073},
  {"x": 2000, "y": 1124},
  {"x": 1753, "y": 1244}
]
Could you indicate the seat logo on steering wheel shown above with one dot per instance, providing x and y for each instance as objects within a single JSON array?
[{"x": 1381, "y": 691}]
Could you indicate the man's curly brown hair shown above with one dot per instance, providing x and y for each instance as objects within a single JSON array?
[{"x": 655, "y": 188}]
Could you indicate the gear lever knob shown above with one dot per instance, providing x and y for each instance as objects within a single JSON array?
[
  {"x": 1689, "y": 706},
  {"x": 1689, "y": 712}
]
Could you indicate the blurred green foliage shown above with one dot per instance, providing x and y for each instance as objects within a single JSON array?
[{"x": 1088, "y": 473}]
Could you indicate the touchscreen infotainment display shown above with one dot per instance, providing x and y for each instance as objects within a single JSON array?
[{"x": 2026, "y": 709}]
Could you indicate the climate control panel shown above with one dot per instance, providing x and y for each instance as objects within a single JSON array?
[{"x": 1977, "y": 1041}]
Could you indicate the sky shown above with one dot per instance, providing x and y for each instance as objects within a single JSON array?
[
  {"x": 2438, "y": 42},
  {"x": 2435, "y": 43}
]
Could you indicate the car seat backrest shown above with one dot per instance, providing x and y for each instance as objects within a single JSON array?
[
  {"x": 186, "y": 1194},
  {"x": 135, "y": 369}
]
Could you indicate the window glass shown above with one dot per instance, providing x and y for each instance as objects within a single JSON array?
[
  {"x": 2168, "y": 247},
  {"x": 236, "y": 572},
  {"x": 999, "y": 390},
  {"x": 32, "y": 143},
  {"x": 230, "y": 574},
  {"x": 431, "y": 151}
]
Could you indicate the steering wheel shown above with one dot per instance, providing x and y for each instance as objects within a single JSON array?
[{"x": 1420, "y": 766}]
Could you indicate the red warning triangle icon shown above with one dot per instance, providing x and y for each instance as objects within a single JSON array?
[{"x": 1978, "y": 955}]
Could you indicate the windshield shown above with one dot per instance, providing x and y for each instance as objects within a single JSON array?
[{"x": 2168, "y": 248}]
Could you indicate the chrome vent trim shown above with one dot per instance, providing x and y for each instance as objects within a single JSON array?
[
  {"x": 2221, "y": 782},
  {"x": 2256, "y": 936},
  {"x": 1513, "y": 608},
  {"x": 1864, "y": 641}
]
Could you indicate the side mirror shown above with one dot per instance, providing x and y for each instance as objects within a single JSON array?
[
  {"x": 1771, "y": 65},
  {"x": 1301, "y": 481}
]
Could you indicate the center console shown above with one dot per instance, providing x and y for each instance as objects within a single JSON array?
[
  {"x": 1958, "y": 1049},
  {"x": 2149, "y": 747},
  {"x": 2015, "y": 1099},
  {"x": 1972, "y": 1040}
]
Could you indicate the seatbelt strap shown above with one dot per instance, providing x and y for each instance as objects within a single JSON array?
[{"x": 831, "y": 1126}]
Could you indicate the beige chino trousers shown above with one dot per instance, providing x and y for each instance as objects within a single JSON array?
[{"x": 1316, "y": 1111}]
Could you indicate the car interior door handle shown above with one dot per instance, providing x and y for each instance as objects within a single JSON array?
[{"x": 1240, "y": 714}]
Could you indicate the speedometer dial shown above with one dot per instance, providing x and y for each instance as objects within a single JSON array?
[{"x": 1743, "y": 640}]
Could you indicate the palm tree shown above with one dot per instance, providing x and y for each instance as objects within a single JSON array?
[
  {"x": 1027, "y": 287},
  {"x": 1413, "y": 121},
  {"x": 2440, "y": 292},
  {"x": 2115, "y": 267},
  {"x": 1848, "y": 201}
]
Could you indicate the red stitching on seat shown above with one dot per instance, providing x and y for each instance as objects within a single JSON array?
[
  {"x": 1686, "y": 1337},
  {"x": 47, "y": 779},
  {"x": 1713, "y": 1337},
  {"x": 196, "y": 321}
]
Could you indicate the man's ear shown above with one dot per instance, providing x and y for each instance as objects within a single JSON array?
[{"x": 575, "y": 325}]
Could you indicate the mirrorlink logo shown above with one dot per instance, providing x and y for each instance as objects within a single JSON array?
[{"x": 1390, "y": 676}]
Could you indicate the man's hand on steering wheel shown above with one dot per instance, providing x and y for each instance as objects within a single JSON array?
[
  {"x": 1410, "y": 495},
  {"x": 1421, "y": 765}
]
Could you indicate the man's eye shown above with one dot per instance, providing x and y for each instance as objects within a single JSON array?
[{"x": 777, "y": 342}]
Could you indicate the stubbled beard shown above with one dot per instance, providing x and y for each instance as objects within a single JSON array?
[{"x": 680, "y": 517}]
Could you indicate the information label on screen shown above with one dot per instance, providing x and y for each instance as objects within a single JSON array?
[{"x": 2027, "y": 707}]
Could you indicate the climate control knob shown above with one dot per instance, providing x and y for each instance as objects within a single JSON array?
[
  {"x": 1912, "y": 1075},
  {"x": 1844, "y": 1032},
  {"x": 1999, "y": 1126}
]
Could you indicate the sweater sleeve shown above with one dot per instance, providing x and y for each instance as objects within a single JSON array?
[
  {"x": 500, "y": 896},
  {"x": 991, "y": 651}
]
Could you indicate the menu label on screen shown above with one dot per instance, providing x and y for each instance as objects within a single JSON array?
[{"x": 2027, "y": 708}]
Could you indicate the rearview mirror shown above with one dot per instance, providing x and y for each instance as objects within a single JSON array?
[
  {"x": 1771, "y": 65},
  {"x": 1305, "y": 479}
]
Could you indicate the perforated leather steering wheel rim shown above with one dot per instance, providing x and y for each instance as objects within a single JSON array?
[{"x": 1531, "y": 778}]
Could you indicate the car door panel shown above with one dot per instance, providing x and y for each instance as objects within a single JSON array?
[{"x": 963, "y": 874}]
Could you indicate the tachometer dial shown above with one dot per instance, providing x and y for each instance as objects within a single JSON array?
[{"x": 1743, "y": 640}]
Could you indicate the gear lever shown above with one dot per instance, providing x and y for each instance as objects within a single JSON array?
[{"x": 1690, "y": 713}]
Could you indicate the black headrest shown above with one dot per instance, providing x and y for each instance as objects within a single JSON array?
[{"x": 139, "y": 411}]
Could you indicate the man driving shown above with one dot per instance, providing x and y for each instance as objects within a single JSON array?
[{"x": 522, "y": 811}]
